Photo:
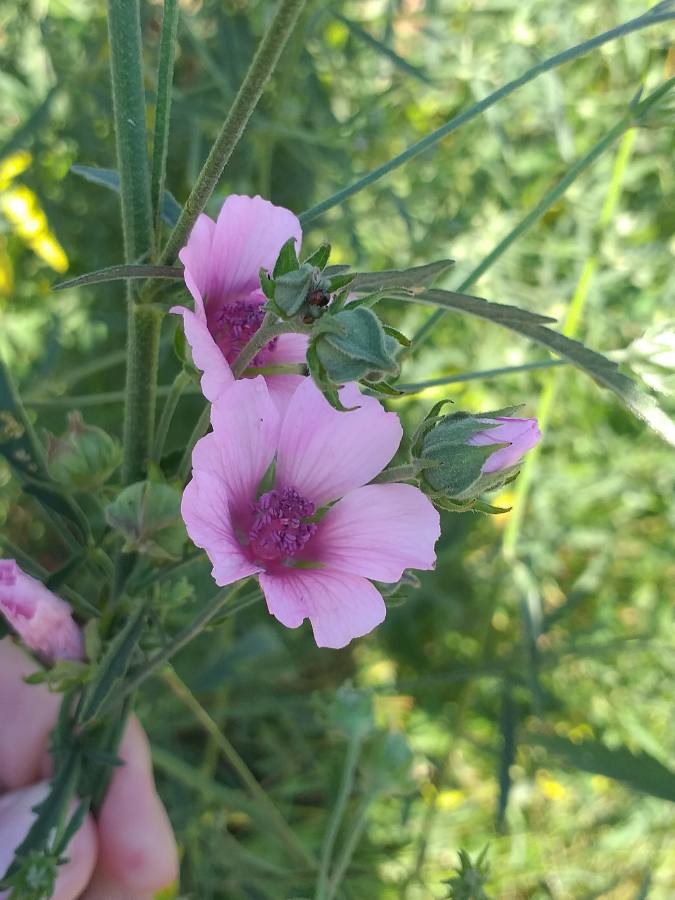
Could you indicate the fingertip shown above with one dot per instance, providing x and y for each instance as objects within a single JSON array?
[{"x": 137, "y": 848}]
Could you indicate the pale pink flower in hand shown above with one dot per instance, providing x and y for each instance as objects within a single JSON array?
[
  {"x": 41, "y": 619},
  {"x": 128, "y": 852},
  {"x": 222, "y": 262},
  {"x": 309, "y": 566}
]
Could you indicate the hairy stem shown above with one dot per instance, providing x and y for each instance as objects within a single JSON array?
[{"x": 259, "y": 72}]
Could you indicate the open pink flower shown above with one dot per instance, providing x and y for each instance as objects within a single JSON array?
[
  {"x": 317, "y": 531},
  {"x": 222, "y": 262},
  {"x": 41, "y": 619}
]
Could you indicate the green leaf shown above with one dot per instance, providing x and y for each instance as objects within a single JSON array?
[
  {"x": 639, "y": 771},
  {"x": 109, "y": 178},
  {"x": 602, "y": 370},
  {"x": 291, "y": 288},
  {"x": 120, "y": 273},
  {"x": 383, "y": 49},
  {"x": 417, "y": 277}
]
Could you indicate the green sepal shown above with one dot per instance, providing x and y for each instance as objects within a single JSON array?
[
  {"x": 291, "y": 289},
  {"x": 397, "y": 335},
  {"x": 266, "y": 284},
  {"x": 287, "y": 260},
  {"x": 338, "y": 282},
  {"x": 381, "y": 387},
  {"x": 320, "y": 257},
  {"x": 352, "y": 344}
]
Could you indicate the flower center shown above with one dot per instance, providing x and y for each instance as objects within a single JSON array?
[
  {"x": 279, "y": 530},
  {"x": 235, "y": 325}
]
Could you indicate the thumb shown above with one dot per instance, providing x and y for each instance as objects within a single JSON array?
[{"x": 16, "y": 817}]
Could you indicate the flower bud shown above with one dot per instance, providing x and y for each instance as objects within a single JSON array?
[
  {"x": 84, "y": 457},
  {"x": 352, "y": 344},
  {"x": 465, "y": 455},
  {"x": 42, "y": 620},
  {"x": 148, "y": 515}
]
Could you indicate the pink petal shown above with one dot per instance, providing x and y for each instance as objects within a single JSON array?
[
  {"x": 324, "y": 453},
  {"x": 378, "y": 531},
  {"x": 339, "y": 606},
  {"x": 196, "y": 256},
  {"x": 249, "y": 233},
  {"x": 244, "y": 440},
  {"x": 290, "y": 349},
  {"x": 206, "y": 354},
  {"x": 206, "y": 514},
  {"x": 42, "y": 620},
  {"x": 137, "y": 848},
  {"x": 16, "y": 817},
  {"x": 521, "y": 435}
]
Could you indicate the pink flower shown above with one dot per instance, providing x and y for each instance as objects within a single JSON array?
[
  {"x": 521, "y": 435},
  {"x": 41, "y": 619},
  {"x": 222, "y": 262},
  {"x": 317, "y": 531}
]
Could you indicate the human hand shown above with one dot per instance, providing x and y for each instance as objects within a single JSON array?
[{"x": 128, "y": 852}]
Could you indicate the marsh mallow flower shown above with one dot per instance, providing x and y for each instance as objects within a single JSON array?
[
  {"x": 222, "y": 261},
  {"x": 311, "y": 527},
  {"x": 42, "y": 620},
  {"x": 464, "y": 455}
]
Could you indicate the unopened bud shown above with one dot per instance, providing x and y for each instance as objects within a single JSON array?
[{"x": 84, "y": 457}]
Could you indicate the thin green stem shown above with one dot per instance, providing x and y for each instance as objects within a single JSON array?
[
  {"x": 396, "y": 473},
  {"x": 180, "y": 382},
  {"x": 283, "y": 829},
  {"x": 197, "y": 432},
  {"x": 659, "y": 14},
  {"x": 259, "y": 72},
  {"x": 189, "y": 633},
  {"x": 141, "y": 390},
  {"x": 570, "y": 328},
  {"x": 337, "y": 813},
  {"x": 160, "y": 145},
  {"x": 358, "y": 826},
  {"x": 270, "y": 328},
  {"x": 476, "y": 376}
]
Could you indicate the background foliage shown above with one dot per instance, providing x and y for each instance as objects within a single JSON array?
[{"x": 520, "y": 699}]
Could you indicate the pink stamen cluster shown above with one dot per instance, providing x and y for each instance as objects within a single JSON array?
[
  {"x": 280, "y": 529},
  {"x": 235, "y": 325}
]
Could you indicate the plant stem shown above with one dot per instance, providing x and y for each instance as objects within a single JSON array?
[
  {"x": 195, "y": 628},
  {"x": 475, "y": 376},
  {"x": 351, "y": 843},
  {"x": 197, "y": 432},
  {"x": 180, "y": 382},
  {"x": 160, "y": 144},
  {"x": 335, "y": 820},
  {"x": 646, "y": 20},
  {"x": 396, "y": 473},
  {"x": 141, "y": 390},
  {"x": 259, "y": 72},
  {"x": 124, "y": 34},
  {"x": 270, "y": 328},
  {"x": 286, "y": 834}
]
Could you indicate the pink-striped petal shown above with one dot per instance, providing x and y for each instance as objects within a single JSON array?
[
  {"x": 340, "y": 607},
  {"x": 249, "y": 233},
  {"x": 206, "y": 514},
  {"x": 206, "y": 354},
  {"x": 324, "y": 453},
  {"x": 378, "y": 531}
]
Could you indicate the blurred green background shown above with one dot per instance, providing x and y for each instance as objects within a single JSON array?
[{"x": 522, "y": 701}]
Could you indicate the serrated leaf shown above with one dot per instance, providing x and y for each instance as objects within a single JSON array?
[
  {"x": 639, "y": 771},
  {"x": 390, "y": 279},
  {"x": 602, "y": 370}
]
